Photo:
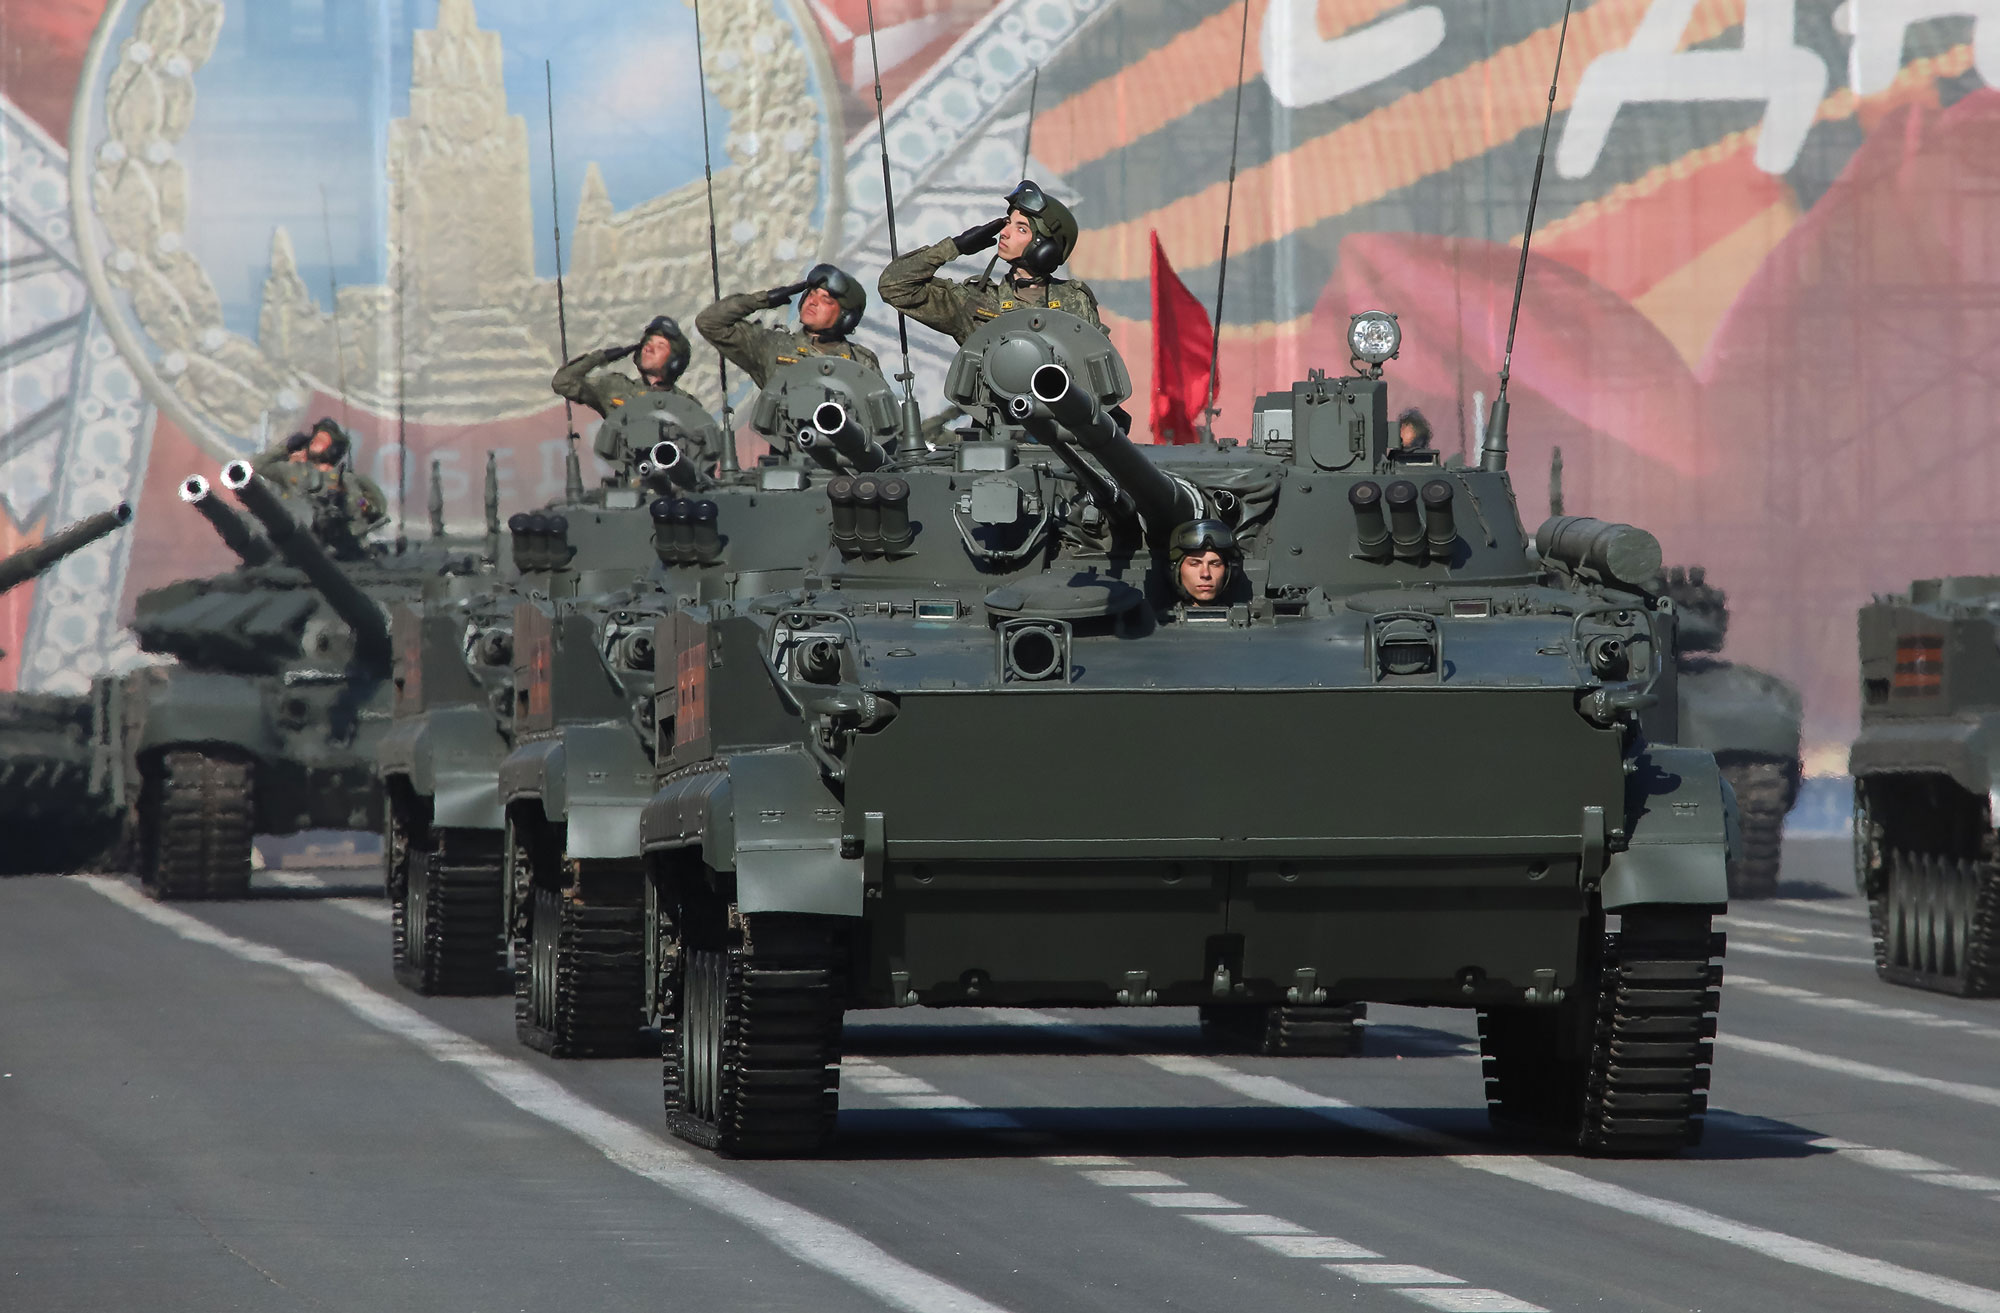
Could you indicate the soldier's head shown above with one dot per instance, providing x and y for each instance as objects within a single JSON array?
[
  {"x": 1040, "y": 232},
  {"x": 833, "y": 304},
  {"x": 1204, "y": 556},
  {"x": 1413, "y": 431},
  {"x": 663, "y": 352},
  {"x": 326, "y": 444}
]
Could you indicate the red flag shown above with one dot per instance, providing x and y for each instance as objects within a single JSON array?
[{"x": 1182, "y": 343}]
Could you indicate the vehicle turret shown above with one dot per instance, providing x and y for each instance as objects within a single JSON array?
[{"x": 304, "y": 554}]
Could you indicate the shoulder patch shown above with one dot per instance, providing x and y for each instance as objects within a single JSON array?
[
  {"x": 788, "y": 360},
  {"x": 617, "y": 401}
]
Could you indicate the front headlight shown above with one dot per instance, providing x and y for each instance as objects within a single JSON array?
[{"x": 1373, "y": 336}]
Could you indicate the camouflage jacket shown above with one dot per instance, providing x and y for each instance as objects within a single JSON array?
[
  {"x": 958, "y": 309},
  {"x": 575, "y": 382},
  {"x": 343, "y": 504},
  {"x": 758, "y": 349}
]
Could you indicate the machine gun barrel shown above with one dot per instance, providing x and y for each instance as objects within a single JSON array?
[
  {"x": 31, "y": 561},
  {"x": 235, "y": 534},
  {"x": 1615, "y": 553},
  {"x": 833, "y": 426},
  {"x": 1161, "y": 502},
  {"x": 371, "y": 630}
]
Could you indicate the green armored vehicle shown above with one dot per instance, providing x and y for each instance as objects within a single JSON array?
[
  {"x": 995, "y": 750},
  {"x": 1748, "y": 718},
  {"x": 267, "y": 720},
  {"x": 1926, "y": 767},
  {"x": 53, "y": 804},
  {"x": 585, "y": 676}
]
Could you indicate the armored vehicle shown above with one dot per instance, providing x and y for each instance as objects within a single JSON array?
[
  {"x": 1926, "y": 767},
  {"x": 53, "y": 805},
  {"x": 1749, "y": 719},
  {"x": 987, "y": 753},
  {"x": 267, "y": 720},
  {"x": 582, "y": 769}
]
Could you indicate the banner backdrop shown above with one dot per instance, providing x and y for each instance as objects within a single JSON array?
[{"x": 1759, "y": 317}]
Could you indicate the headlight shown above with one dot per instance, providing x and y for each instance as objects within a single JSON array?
[{"x": 1373, "y": 336}]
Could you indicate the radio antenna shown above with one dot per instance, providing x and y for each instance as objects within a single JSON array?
[
  {"x": 572, "y": 463},
  {"x": 1209, "y": 409},
  {"x": 913, "y": 422},
  {"x": 1493, "y": 455},
  {"x": 726, "y": 458},
  {"x": 1028, "y": 132},
  {"x": 333, "y": 302},
  {"x": 402, "y": 381}
]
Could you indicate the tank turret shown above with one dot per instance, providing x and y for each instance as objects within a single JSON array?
[
  {"x": 302, "y": 553},
  {"x": 1702, "y": 610},
  {"x": 837, "y": 411}
]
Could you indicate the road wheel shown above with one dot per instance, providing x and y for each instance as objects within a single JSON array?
[
  {"x": 1936, "y": 923},
  {"x": 580, "y": 992},
  {"x": 450, "y": 923}
]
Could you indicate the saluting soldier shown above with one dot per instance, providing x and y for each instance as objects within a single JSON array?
[
  {"x": 661, "y": 355},
  {"x": 1036, "y": 235},
  {"x": 347, "y": 504},
  {"x": 830, "y": 309}
]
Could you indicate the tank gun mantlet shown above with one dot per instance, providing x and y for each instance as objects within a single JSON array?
[{"x": 838, "y": 412}]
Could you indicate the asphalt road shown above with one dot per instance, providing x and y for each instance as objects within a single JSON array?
[{"x": 233, "y": 1106}]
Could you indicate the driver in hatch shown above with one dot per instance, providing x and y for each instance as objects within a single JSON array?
[{"x": 1204, "y": 558}]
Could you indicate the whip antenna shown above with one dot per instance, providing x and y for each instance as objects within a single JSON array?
[
  {"x": 1493, "y": 456},
  {"x": 572, "y": 463},
  {"x": 402, "y": 381},
  {"x": 1209, "y": 409},
  {"x": 726, "y": 458},
  {"x": 333, "y": 302},
  {"x": 1028, "y": 132},
  {"x": 913, "y": 422}
]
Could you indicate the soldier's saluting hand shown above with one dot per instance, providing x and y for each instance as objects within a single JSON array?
[{"x": 829, "y": 309}]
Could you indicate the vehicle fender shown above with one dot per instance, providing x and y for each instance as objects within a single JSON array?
[
  {"x": 405, "y": 753},
  {"x": 1967, "y": 751},
  {"x": 195, "y": 706},
  {"x": 452, "y": 756},
  {"x": 768, "y": 816},
  {"x": 1682, "y": 816},
  {"x": 536, "y": 771}
]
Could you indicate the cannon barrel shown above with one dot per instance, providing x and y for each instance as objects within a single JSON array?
[
  {"x": 31, "y": 561},
  {"x": 1614, "y": 553},
  {"x": 229, "y": 526},
  {"x": 371, "y": 630},
  {"x": 833, "y": 425},
  {"x": 1161, "y": 501},
  {"x": 671, "y": 463}
]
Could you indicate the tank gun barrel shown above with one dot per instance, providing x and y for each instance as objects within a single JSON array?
[
  {"x": 1161, "y": 501},
  {"x": 833, "y": 426},
  {"x": 1614, "y": 553},
  {"x": 31, "y": 561},
  {"x": 235, "y": 534},
  {"x": 666, "y": 461},
  {"x": 371, "y": 631}
]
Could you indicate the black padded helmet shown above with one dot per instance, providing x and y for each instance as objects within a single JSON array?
[
  {"x": 846, "y": 291},
  {"x": 1054, "y": 226},
  {"x": 342, "y": 444}
]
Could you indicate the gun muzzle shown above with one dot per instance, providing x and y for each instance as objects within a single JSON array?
[
  {"x": 235, "y": 535},
  {"x": 1161, "y": 502},
  {"x": 31, "y": 561},
  {"x": 671, "y": 465},
  {"x": 834, "y": 427}
]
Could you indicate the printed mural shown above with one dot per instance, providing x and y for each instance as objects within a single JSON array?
[{"x": 1759, "y": 317}]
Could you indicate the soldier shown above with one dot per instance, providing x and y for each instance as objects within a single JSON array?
[
  {"x": 1204, "y": 557},
  {"x": 1413, "y": 432},
  {"x": 828, "y": 312},
  {"x": 1037, "y": 234},
  {"x": 312, "y": 466},
  {"x": 661, "y": 354}
]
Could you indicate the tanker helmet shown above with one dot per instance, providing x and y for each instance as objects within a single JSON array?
[
  {"x": 1054, "y": 226},
  {"x": 849, "y": 294},
  {"x": 341, "y": 442},
  {"x": 1199, "y": 536},
  {"x": 682, "y": 350}
]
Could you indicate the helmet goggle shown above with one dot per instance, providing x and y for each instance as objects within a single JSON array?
[
  {"x": 662, "y": 326},
  {"x": 1205, "y": 536},
  {"x": 1028, "y": 198},
  {"x": 835, "y": 281}
]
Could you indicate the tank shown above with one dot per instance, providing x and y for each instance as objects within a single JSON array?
[
  {"x": 983, "y": 754},
  {"x": 582, "y": 767},
  {"x": 1925, "y": 767},
  {"x": 54, "y": 804},
  {"x": 1748, "y": 718},
  {"x": 267, "y": 718}
]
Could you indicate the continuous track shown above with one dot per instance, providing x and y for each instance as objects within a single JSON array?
[
  {"x": 1286, "y": 1030},
  {"x": 449, "y": 930},
  {"x": 1936, "y": 923},
  {"x": 197, "y": 816},
  {"x": 1765, "y": 791},
  {"x": 579, "y": 977}
]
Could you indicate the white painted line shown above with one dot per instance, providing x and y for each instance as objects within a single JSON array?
[
  {"x": 1808, "y": 1254},
  {"x": 1961, "y": 1180},
  {"x": 1861, "y": 1007},
  {"x": 1985, "y": 1094},
  {"x": 1312, "y": 1246},
  {"x": 1889, "y": 1160},
  {"x": 803, "y": 1234},
  {"x": 1733, "y": 922},
  {"x": 1774, "y": 1244},
  {"x": 1086, "y": 1160},
  {"x": 1248, "y": 1224},
  {"x": 1393, "y": 1274},
  {"x": 1186, "y": 1199},
  {"x": 368, "y": 909},
  {"x": 1469, "y": 1299},
  {"x": 894, "y": 1085},
  {"x": 1765, "y": 950},
  {"x": 1824, "y": 907},
  {"x": 931, "y": 1101},
  {"x": 1129, "y": 1180}
]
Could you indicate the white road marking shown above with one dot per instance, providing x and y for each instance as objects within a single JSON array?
[
  {"x": 1469, "y": 1299},
  {"x": 1797, "y": 955},
  {"x": 1248, "y": 1224},
  {"x": 1393, "y": 1274},
  {"x": 1185, "y": 1199},
  {"x": 1734, "y": 922},
  {"x": 1772, "y": 1244},
  {"x": 1134, "y": 1180},
  {"x": 1824, "y": 907},
  {"x": 1971, "y": 1093},
  {"x": 1311, "y": 1246},
  {"x": 803, "y": 1234},
  {"x": 1862, "y": 1007},
  {"x": 368, "y": 909}
]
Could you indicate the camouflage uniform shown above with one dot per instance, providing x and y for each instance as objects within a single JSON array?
[
  {"x": 758, "y": 349},
  {"x": 958, "y": 309},
  {"x": 345, "y": 503}
]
